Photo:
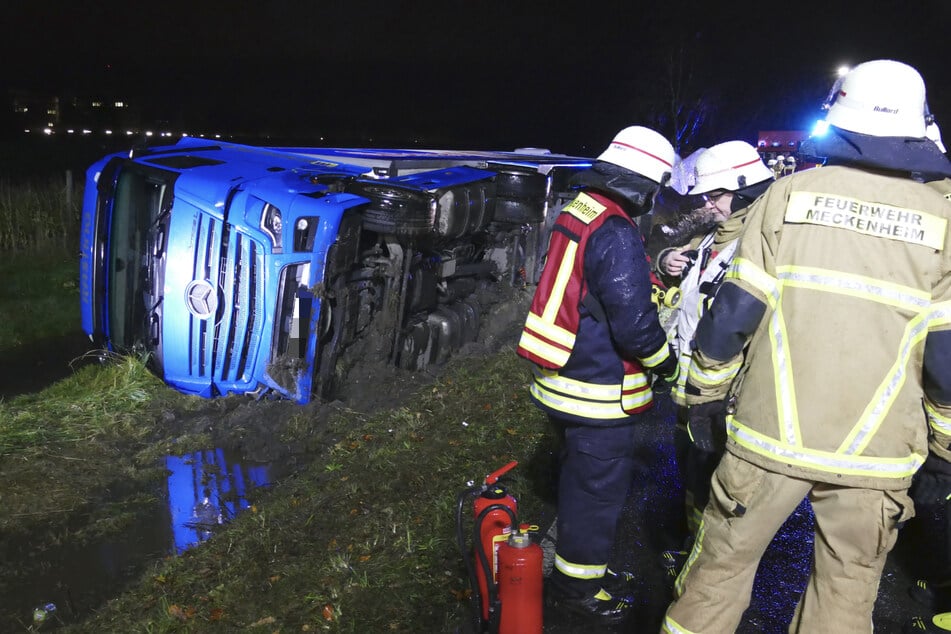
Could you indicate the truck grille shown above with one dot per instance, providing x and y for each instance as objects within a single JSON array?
[{"x": 219, "y": 346}]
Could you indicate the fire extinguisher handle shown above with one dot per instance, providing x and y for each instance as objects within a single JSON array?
[{"x": 493, "y": 477}]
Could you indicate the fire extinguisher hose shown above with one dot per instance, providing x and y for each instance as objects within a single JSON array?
[
  {"x": 492, "y": 586},
  {"x": 461, "y": 543}
]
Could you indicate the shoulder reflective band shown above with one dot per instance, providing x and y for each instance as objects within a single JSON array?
[
  {"x": 873, "y": 219},
  {"x": 584, "y": 208}
]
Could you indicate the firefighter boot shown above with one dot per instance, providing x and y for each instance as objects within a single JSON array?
[
  {"x": 923, "y": 593},
  {"x": 673, "y": 562},
  {"x": 936, "y": 624},
  {"x": 588, "y": 599},
  {"x": 935, "y": 597},
  {"x": 619, "y": 583}
]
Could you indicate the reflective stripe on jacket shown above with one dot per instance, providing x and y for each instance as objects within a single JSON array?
[
  {"x": 552, "y": 324},
  {"x": 854, "y": 271},
  {"x": 698, "y": 289}
]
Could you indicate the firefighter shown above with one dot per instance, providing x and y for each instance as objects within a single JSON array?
[
  {"x": 779, "y": 167},
  {"x": 841, "y": 289},
  {"x": 594, "y": 338},
  {"x": 929, "y": 492},
  {"x": 730, "y": 176}
]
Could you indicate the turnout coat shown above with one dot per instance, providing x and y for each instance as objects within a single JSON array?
[
  {"x": 841, "y": 287},
  {"x": 592, "y": 331}
]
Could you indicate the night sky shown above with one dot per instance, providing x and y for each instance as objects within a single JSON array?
[{"x": 480, "y": 74}]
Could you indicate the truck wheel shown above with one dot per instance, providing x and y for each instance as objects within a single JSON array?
[
  {"x": 520, "y": 196},
  {"x": 395, "y": 211}
]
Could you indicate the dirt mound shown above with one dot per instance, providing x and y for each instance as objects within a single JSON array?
[{"x": 256, "y": 429}]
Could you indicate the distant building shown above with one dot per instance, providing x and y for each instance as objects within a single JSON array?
[{"x": 35, "y": 112}]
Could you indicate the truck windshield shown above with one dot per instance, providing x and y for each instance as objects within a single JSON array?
[{"x": 136, "y": 254}]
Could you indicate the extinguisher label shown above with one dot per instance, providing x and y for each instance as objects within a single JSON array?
[{"x": 496, "y": 540}]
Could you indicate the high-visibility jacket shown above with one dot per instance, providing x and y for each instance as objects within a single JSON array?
[
  {"x": 841, "y": 286},
  {"x": 592, "y": 329},
  {"x": 698, "y": 288}
]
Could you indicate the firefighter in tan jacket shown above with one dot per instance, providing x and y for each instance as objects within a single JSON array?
[{"x": 832, "y": 334}]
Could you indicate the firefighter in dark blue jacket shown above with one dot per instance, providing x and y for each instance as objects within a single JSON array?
[{"x": 593, "y": 335}]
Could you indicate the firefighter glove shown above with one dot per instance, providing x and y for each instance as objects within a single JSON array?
[
  {"x": 669, "y": 369},
  {"x": 932, "y": 485},
  {"x": 706, "y": 424}
]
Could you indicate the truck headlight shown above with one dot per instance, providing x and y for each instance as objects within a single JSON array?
[
  {"x": 272, "y": 224},
  {"x": 305, "y": 230}
]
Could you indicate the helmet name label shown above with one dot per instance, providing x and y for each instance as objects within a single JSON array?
[{"x": 874, "y": 219}]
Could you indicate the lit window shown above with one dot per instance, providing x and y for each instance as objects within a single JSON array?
[
  {"x": 97, "y": 104},
  {"x": 120, "y": 104}
]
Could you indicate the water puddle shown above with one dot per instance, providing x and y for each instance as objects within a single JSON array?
[{"x": 203, "y": 491}]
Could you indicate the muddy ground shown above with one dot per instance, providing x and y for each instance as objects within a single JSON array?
[{"x": 253, "y": 431}]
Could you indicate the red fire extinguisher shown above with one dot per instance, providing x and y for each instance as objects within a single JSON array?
[
  {"x": 520, "y": 584},
  {"x": 494, "y": 526},
  {"x": 496, "y": 522}
]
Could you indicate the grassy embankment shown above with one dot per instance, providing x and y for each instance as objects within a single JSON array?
[{"x": 361, "y": 540}]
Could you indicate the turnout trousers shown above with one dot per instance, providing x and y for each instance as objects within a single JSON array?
[
  {"x": 597, "y": 467},
  {"x": 854, "y": 531}
]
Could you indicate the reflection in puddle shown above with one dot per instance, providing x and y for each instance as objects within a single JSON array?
[
  {"x": 205, "y": 490},
  {"x": 68, "y": 580}
]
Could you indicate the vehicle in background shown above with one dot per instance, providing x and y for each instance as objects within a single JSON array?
[{"x": 271, "y": 271}]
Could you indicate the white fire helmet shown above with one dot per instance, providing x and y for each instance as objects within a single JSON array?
[
  {"x": 880, "y": 98},
  {"x": 641, "y": 150},
  {"x": 730, "y": 165}
]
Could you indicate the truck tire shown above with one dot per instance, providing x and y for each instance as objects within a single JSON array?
[
  {"x": 521, "y": 196},
  {"x": 395, "y": 211}
]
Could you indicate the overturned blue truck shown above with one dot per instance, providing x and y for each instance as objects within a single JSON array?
[{"x": 239, "y": 269}]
